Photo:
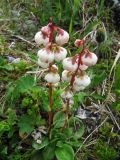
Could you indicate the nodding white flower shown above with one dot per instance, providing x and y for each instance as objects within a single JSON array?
[
  {"x": 41, "y": 38},
  {"x": 67, "y": 94},
  {"x": 52, "y": 77},
  {"x": 60, "y": 54},
  {"x": 83, "y": 67},
  {"x": 82, "y": 80},
  {"x": 66, "y": 76},
  {"x": 78, "y": 88},
  {"x": 45, "y": 55},
  {"x": 89, "y": 59},
  {"x": 62, "y": 37},
  {"x": 43, "y": 64},
  {"x": 69, "y": 65}
]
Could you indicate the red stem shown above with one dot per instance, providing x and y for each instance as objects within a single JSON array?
[
  {"x": 50, "y": 101},
  {"x": 66, "y": 115},
  {"x": 79, "y": 62},
  {"x": 52, "y": 30},
  {"x": 50, "y": 105},
  {"x": 50, "y": 84}
]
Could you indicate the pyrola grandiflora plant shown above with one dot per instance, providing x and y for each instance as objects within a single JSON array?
[
  {"x": 74, "y": 67},
  {"x": 50, "y": 53}
]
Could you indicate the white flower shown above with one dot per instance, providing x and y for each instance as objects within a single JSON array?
[
  {"x": 41, "y": 38},
  {"x": 78, "y": 88},
  {"x": 89, "y": 59},
  {"x": 83, "y": 67},
  {"x": 52, "y": 77},
  {"x": 60, "y": 54},
  {"x": 62, "y": 37},
  {"x": 82, "y": 80},
  {"x": 66, "y": 76},
  {"x": 46, "y": 55},
  {"x": 67, "y": 94},
  {"x": 69, "y": 65},
  {"x": 43, "y": 64}
]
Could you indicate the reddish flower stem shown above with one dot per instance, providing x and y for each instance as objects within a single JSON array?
[
  {"x": 50, "y": 84},
  {"x": 71, "y": 84},
  {"x": 50, "y": 105},
  {"x": 79, "y": 62},
  {"x": 66, "y": 114},
  {"x": 52, "y": 30}
]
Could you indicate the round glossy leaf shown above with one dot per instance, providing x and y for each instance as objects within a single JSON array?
[{"x": 64, "y": 152}]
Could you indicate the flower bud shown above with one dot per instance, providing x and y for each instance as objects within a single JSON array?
[
  {"x": 40, "y": 38},
  {"x": 69, "y": 65},
  {"x": 78, "y": 42},
  {"x": 67, "y": 94},
  {"x": 60, "y": 54},
  {"x": 66, "y": 76},
  {"x": 82, "y": 80},
  {"x": 62, "y": 37},
  {"x": 45, "y": 55},
  {"x": 43, "y": 64},
  {"x": 46, "y": 30},
  {"x": 52, "y": 77},
  {"x": 89, "y": 59}
]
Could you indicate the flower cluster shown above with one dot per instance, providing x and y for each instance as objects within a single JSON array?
[
  {"x": 74, "y": 67},
  {"x": 74, "y": 70},
  {"x": 51, "y": 51}
]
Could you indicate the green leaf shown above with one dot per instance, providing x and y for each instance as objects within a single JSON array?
[
  {"x": 7, "y": 67},
  {"x": 4, "y": 126},
  {"x": 70, "y": 25},
  {"x": 81, "y": 96},
  {"x": 49, "y": 152},
  {"x": 98, "y": 97},
  {"x": 65, "y": 152},
  {"x": 25, "y": 83},
  {"x": 117, "y": 77},
  {"x": 74, "y": 143},
  {"x": 37, "y": 155},
  {"x": 58, "y": 120},
  {"x": 76, "y": 6},
  {"x": 26, "y": 124},
  {"x": 78, "y": 127}
]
